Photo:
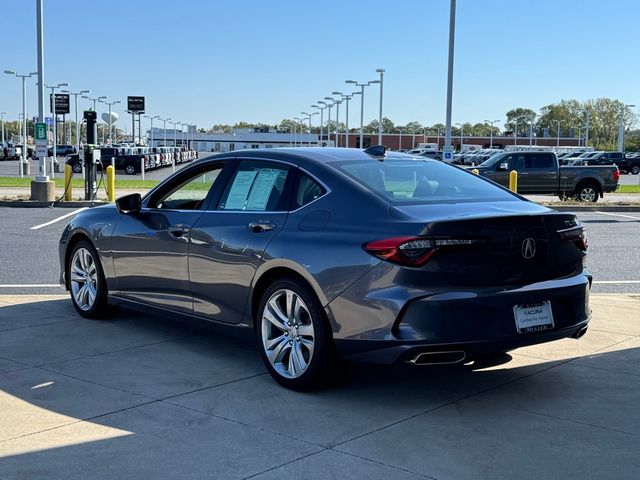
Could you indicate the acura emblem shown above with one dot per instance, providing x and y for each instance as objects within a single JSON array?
[{"x": 528, "y": 248}]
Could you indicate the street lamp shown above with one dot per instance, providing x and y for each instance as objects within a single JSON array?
[
  {"x": 346, "y": 99},
  {"x": 164, "y": 128},
  {"x": 295, "y": 125},
  {"x": 152, "y": 119},
  {"x": 329, "y": 105},
  {"x": 438, "y": 130},
  {"x": 558, "y": 122},
  {"x": 621, "y": 132},
  {"x": 321, "y": 119},
  {"x": 75, "y": 101},
  {"x": 452, "y": 36},
  {"x": 24, "y": 115},
  {"x": 110, "y": 104},
  {"x": 2, "y": 114},
  {"x": 531, "y": 132},
  {"x": 55, "y": 123},
  {"x": 381, "y": 72},
  {"x": 400, "y": 140},
  {"x": 94, "y": 100},
  {"x": 579, "y": 129},
  {"x": 175, "y": 133},
  {"x": 362, "y": 85},
  {"x": 491, "y": 122}
]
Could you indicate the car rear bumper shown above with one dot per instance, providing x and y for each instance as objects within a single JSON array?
[{"x": 473, "y": 322}]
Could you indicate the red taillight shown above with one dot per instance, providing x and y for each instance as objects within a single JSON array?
[
  {"x": 576, "y": 235},
  {"x": 413, "y": 251},
  {"x": 616, "y": 174}
]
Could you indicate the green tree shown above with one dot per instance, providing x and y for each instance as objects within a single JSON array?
[{"x": 521, "y": 116}]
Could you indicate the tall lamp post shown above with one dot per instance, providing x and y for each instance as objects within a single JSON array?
[
  {"x": 621, "y": 130},
  {"x": 175, "y": 133},
  {"x": 55, "y": 121},
  {"x": 452, "y": 36},
  {"x": 24, "y": 116},
  {"x": 295, "y": 127},
  {"x": 110, "y": 124},
  {"x": 321, "y": 120},
  {"x": 325, "y": 105},
  {"x": 491, "y": 122},
  {"x": 152, "y": 119},
  {"x": 381, "y": 72},
  {"x": 558, "y": 122},
  {"x": 164, "y": 128},
  {"x": 94, "y": 100},
  {"x": 75, "y": 102},
  {"x": 2, "y": 114},
  {"x": 362, "y": 85},
  {"x": 329, "y": 105},
  {"x": 346, "y": 99},
  {"x": 461, "y": 134},
  {"x": 400, "y": 139}
]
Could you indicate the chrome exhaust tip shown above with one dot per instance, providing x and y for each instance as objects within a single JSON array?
[
  {"x": 438, "y": 358},
  {"x": 581, "y": 332}
]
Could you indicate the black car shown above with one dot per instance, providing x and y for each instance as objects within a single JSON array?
[{"x": 63, "y": 150}]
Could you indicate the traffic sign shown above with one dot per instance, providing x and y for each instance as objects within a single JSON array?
[
  {"x": 447, "y": 154},
  {"x": 41, "y": 131}
]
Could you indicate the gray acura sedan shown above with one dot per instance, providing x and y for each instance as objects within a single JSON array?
[{"x": 337, "y": 253}]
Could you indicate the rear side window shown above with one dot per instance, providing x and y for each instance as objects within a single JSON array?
[
  {"x": 307, "y": 191},
  {"x": 256, "y": 187},
  {"x": 422, "y": 181},
  {"x": 539, "y": 161}
]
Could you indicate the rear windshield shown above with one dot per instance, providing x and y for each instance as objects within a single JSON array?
[{"x": 422, "y": 181}]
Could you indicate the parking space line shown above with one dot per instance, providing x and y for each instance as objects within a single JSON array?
[
  {"x": 615, "y": 282},
  {"x": 618, "y": 215},
  {"x": 35, "y": 285},
  {"x": 37, "y": 227}
]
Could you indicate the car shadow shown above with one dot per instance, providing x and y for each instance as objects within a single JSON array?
[{"x": 138, "y": 383}]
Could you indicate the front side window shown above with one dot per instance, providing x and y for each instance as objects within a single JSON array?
[
  {"x": 428, "y": 181},
  {"x": 256, "y": 187},
  {"x": 191, "y": 193}
]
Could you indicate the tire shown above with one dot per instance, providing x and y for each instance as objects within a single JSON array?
[
  {"x": 77, "y": 168},
  {"x": 635, "y": 169},
  {"x": 587, "y": 192},
  {"x": 87, "y": 284},
  {"x": 297, "y": 349},
  {"x": 130, "y": 169}
]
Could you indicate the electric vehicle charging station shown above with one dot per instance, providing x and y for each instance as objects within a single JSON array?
[{"x": 90, "y": 157}]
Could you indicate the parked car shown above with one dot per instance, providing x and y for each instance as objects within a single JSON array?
[
  {"x": 10, "y": 151},
  {"x": 428, "y": 264},
  {"x": 63, "y": 150},
  {"x": 538, "y": 172}
]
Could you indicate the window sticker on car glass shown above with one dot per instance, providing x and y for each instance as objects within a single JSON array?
[
  {"x": 239, "y": 190},
  {"x": 261, "y": 190}
]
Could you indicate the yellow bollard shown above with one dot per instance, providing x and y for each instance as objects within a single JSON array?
[
  {"x": 111, "y": 183},
  {"x": 68, "y": 189},
  {"x": 475, "y": 171},
  {"x": 513, "y": 181}
]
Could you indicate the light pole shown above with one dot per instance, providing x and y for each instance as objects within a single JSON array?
[
  {"x": 75, "y": 101},
  {"x": 329, "y": 105},
  {"x": 452, "y": 35},
  {"x": 295, "y": 127},
  {"x": 381, "y": 72},
  {"x": 152, "y": 119},
  {"x": 306, "y": 115},
  {"x": 24, "y": 115},
  {"x": 164, "y": 128},
  {"x": 338, "y": 102},
  {"x": 515, "y": 132},
  {"x": 579, "y": 129},
  {"x": 586, "y": 132},
  {"x": 321, "y": 120},
  {"x": 42, "y": 177},
  {"x": 110, "y": 125},
  {"x": 325, "y": 105},
  {"x": 438, "y": 130},
  {"x": 94, "y": 100},
  {"x": 175, "y": 133},
  {"x": 558, "y": 122},
  {"x": 55, "y": 120},
  {"x": 2, "y": 114},
  {"x": 362, "y": 85},
  {"x": 530, "y": 132},
  {"x": 491, "y": 122},
  {"x": 621, "y": 131},
  {"x": 400, "y": 140},
  {"x": 346, "y": 99}
]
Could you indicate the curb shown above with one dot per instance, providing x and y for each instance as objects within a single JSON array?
[
  {"x": 34, "y": 204},
  {"x": 600, "y": 208}
]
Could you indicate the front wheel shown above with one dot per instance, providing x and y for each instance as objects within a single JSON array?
[
  {"x": 130, "y": 170},
  {"x": 86, "y": 281},
  {"x": 635, "y": 169},
  {"x": 297, "y": 347},
  {"x": 587, "y": 193}
]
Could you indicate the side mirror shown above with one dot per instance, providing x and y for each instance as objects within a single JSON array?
[
  {"x": 129, "y": 204},
  {"x": 503, "y": 166}
]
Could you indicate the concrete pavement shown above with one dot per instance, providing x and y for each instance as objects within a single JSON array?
[{"x": 142, "y": 397}]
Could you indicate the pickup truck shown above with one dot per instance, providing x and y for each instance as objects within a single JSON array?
[{"x": 538, "y": 172}]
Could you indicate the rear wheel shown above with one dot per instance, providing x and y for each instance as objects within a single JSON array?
[
  {"x": 77, "y": 168},
  {"x": 635, "y": 169},
  {"x": 587, "y": 192},
  {"x": 86, "y": 280},
  {"x": 296, "y": 342},
  {"x": 130, "y": 169}
]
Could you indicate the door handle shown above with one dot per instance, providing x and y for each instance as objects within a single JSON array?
[
  {"x": 179, "y": 230},
  {"x": 523, "y": 173},
  {"x": 258, "y": 227}
]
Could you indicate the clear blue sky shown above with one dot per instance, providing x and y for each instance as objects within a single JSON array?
[{"x": 206, "y": 62}]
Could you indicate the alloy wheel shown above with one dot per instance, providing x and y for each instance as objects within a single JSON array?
[
  {"x": 83, "y": 274},
  {"x": 288, "y": 337},
  {"x": 588, "y": 194}
]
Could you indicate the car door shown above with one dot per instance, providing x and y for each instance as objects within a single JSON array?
[
  {"x": 539, "y": 174},
  {"x": 150, "y": 248},
  {"x": 514, "y": 161},
  {"x": 228, "y": 240}
]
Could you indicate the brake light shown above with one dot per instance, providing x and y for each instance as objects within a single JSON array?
[
  {"x": 413, "y": 251},
  {"x": 576, "y": 235},
  {"x": 616, "y": 174}
]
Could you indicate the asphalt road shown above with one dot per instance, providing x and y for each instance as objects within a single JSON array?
[{"x": 29, "y": 257}]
